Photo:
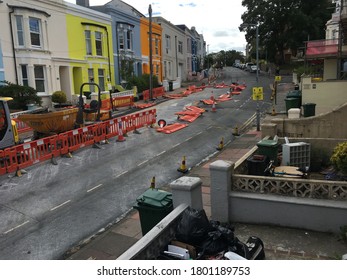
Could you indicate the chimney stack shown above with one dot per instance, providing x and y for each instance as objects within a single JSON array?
[{"x": 83, "y": 3}]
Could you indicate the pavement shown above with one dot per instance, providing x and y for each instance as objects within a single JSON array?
[{"x": 280, "y": 243}]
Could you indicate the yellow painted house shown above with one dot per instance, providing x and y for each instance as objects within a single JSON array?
[
  {"x": 156, "y": 48},
  {"x": 90, "y": 49}
]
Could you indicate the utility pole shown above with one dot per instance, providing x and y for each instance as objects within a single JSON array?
[
  {"x": 257, "y": 75},
  {"x": 150, "y": 54},
  {"x": 257, "y": 57}
]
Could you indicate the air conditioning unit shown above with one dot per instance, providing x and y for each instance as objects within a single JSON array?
[{"x": 296, "y": 154}]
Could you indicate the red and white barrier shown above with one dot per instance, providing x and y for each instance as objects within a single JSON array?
[{"x": 21, "y": 156}]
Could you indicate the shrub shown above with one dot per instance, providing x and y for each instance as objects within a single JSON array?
[
  {"x": 142, "y": 82},
  {"x": 59, "y": 97},
  {"x": 22, "y": 95},
  {"x": 339, "y": 157}
]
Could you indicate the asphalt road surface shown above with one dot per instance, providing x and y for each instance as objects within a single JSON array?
[{"x": 52, "y": 208}]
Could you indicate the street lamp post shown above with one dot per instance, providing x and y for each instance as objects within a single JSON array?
[
  {"x": 257, "y": 77},
  {"x": 208, "y": 63},
  {"x": 150, "y": 54},
  {"x": 257, "y": 73}
]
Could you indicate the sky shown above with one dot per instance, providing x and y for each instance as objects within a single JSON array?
[{"x": 217, "y": 20}]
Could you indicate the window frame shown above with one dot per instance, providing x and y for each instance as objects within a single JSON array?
[
  {"x": 88, "y": 41},
  {"x": 41, "y": 80},
  {"x": 20, "y": 31},
  {"x": 101, "y": 78},
  {"x": 24, "y": 72},
  {"x": 129, "y": 39},
  {"x": 180, "y": 47},
  {"x": 98, "y": 43},
  {"x": 37, "y": 33}
]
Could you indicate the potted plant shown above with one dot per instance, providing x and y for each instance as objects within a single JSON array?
[{"x": 59, "y": 99}]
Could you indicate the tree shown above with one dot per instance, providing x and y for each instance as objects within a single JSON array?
[
  {"x": 22, "y": 95},
  {"x": 285, "y": 24}
]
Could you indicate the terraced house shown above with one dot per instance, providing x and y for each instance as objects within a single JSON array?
[
  {"x": 174, "y": 44},
  {"x": 2, "y": 72},
  {"x": 156, "y": 48},
  {"x": 126, "y": 38},
  {"x": 34, "y": 43},
  {"x": 90, "y": 48},
  {"x": 54, "y": 45}
]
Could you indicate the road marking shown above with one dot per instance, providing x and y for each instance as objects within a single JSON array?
[
  {"x": 198, "y": 133},
  {"x": 190, "y": 138},
  {"x": 161, "y": 153},
  {"x": 124, "y": 172},
  {"x": 12, "y": 229},
  {"x": 60, "y": 205},
  {"x": 176, "y": 145},
  {"x": 92, "y": 189},
  {"x": 142, "y": 163}
]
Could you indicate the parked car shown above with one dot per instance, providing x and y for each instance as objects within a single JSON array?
[
  {"x": 248, "y": 66},
  {"x": 254, "y": 69}
]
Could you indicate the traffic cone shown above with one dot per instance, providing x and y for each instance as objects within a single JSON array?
[
  {"x": 152, "y": 183},
  {"x": 236, "y": 131},
  {"x": 161, "y": 123},
  {"x": 120, "y": 134},
  {"x": 183, "y": 168},
  {"x": 273, "y": 113},
  {"x": 221, "y": 145},
  {"x": 214, "y": 107}
]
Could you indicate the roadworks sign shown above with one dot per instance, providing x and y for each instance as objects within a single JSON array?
[{"x": 258, "y": 93}]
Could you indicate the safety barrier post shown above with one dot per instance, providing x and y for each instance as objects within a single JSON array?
[
  {"x": 111, "y": 128},
  {"x": 2, "y": 163},
  {"x": 145, "y": 95},
  {"x": 11, "y": 159},
  {"x": 99, "y": 132}
]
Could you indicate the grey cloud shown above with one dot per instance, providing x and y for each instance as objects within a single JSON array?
[{"x": 220, "y": 33}]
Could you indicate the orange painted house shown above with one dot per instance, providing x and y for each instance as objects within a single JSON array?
[{"x": 156, "y": 48}]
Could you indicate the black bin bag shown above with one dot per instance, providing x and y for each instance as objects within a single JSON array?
[{"x": 193, "y": 228}]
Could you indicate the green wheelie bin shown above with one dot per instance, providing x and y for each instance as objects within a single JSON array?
[
  {"x": 309, "y": 109},
  {"x": 153, "y": 205},
  {"x": 269, "y": 148}
]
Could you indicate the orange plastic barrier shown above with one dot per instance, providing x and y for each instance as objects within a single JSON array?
[
  {"x": 222, "y": 85},
  {"x": 2, "y": 163},
  {"x": 187, "y": 112},
  {"x": 111, "y": 128},
  {"x": 172, "y": 128},
  {"x": 119, "y": 101},
  {"x": 224, "y": 97},
  {"x": 187, "y": 92},
  {"x": 208, "y": 101},
  {"x": 17, "y": 157},
  {"x": 123, "y": 101},
  {"x": 27, "y": 154},
  {"x": 235, "y": 92},
  {"x": 128, "y": 123},
  {"x": 196, "y": 109},
  {"x": 146, "y": 118},
  {"x": 174, "y": 95},
  {"x": 11, "y": 159},
  {"x": 144, "y": 105},
  {"x": 22, "y": 126},
  {"x": 76, "y": 139},
  {"x": 189, "y": 118},
  {"x": 156, "y": 92},
  {"x": 99, "y": 131}
]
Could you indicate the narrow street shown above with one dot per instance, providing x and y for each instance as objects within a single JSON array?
[{"x": 54, "y": 207}]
